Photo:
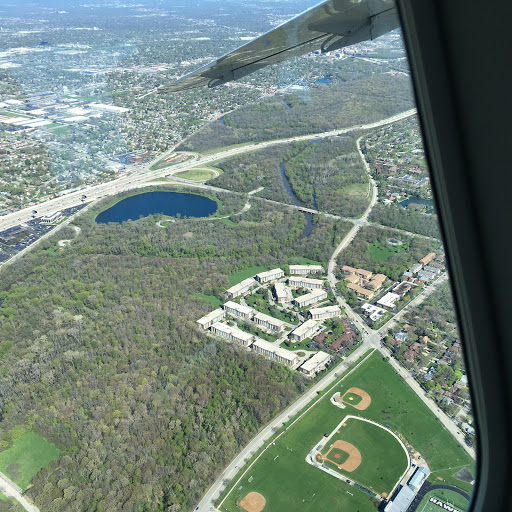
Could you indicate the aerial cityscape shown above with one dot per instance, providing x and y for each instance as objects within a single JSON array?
[{"x": 227, "y": 299}]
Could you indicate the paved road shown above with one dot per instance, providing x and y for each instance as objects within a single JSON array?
[
  {"x": 10, "y": 489},
  {"x": 141, "y": 173}
]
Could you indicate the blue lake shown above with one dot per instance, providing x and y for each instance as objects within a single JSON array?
[
  {"x": 323, "y": 80},
  {"x": 151, "y": 203},
  {"x": 221, "y": 120},
  {"x": 427, "y": 203}
]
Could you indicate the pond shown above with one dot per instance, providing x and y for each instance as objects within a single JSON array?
[
  {"x": 173, "y": 204},
  {"x": 428, "y": 204}
]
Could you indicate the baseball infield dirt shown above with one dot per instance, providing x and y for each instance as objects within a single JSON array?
[
  {"x": 353, "y": 460},
  {"x": 365, "y": 399},
  {"x": 253, "y": 502}
]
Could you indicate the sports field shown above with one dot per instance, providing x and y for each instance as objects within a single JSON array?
[
  {"x": 23, "y": 460},
  {"x": 289, "y": 484},
  {"x": 382, "y": 460},
  {"x": 450, "y": 498}
]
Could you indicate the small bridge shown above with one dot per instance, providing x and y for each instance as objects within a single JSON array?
[{"x": 306, "y": 210}]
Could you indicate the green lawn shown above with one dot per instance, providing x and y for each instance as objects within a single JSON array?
[
  {"x": 304, "y": 261},
  {"x": 381, "y": 252},
  {"x": 285, "y": 479},
  {"x": 14, "y": 114},
  {"x": 383, "y": 458},
  {"x": 211, "y": 299},
  {"x": 452, "y": 498},
  {"x": 196, "y": 174},
  {"x": 30, "y": 453},
  {"x": 244, "y": 274},
  {"x": 229, "y": 222}
]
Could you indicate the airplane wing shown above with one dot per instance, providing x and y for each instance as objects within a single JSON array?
[{"x": 329, "y": 26}]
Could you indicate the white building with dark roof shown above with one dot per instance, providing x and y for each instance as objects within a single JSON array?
[
  {"x": 241, "y": 288},
  {"x": 275, "y": 352},
  {"x": 298, "y": 270},
  {"x": 315, "y": 364},
  {"x": 270, "y": 275},
  {"x": 323, "y": 313},
  {"x": 232, "y": 333},
  {"x": 305, "y": 330},
  {"x": 305, "y": 282},
  {"x": 268, "y": 322},
  {"x": 238, "y": 310},
  {"x": 208, "y": 320},
  {"x": 310, "y": 298}
]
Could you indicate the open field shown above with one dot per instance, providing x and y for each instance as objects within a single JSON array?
[
  {"x": 196, "y": 174},
  {"x": 284, "y": 478},
  {"x": 211, "y": 299},
  {"x": 445, "y": 495},
  {"x": 29, "y": 453},
  {"x": 383, "y": 252}
]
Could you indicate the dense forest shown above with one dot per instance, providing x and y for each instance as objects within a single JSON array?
[
  {"x": 320, "y": 108},
  {"x": 357, "y": 254},
  {"x": 327, "y": 175},
  {"x": 406, "y": 219},
  {"x": 101, "y": 355}
]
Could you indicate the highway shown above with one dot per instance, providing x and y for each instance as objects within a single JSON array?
[{"x": 142, "y": 173}]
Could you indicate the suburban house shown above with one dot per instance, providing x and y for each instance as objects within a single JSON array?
[
  {"x": 278, "y": 354},
  {"x": 305, "y": 282},
  {"x": 240, "y": 288},
  {"x": 304, "y": 330},
  {"x": 270, "y": 275},
  {"x": 310, "y": 298},
  {"x": 323, "y": 313},
  {"x": 208, "y": 320},
  {"x": 232, "y": 333},
  {"x": 315, "y": 364},
  {"x": 268, "y": 322},
  {"x": 238, "y": 310},
  {"x": 305, "y": 269},
  {"x": 282, "y": 293}
]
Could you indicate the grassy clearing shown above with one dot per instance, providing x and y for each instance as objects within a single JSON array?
[
  {"x": 29, "y": 453},
  {"x": 196, "y": 174},
  {"x": 211, "y": 299},
  {"x": 244, "y": 274},
  {"x": 450, "y": 497},
  {"x": 285, "y": 479},
  {"x": 381, "y": 252}
]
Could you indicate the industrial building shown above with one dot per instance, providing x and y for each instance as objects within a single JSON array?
[
  {"x": 310, "y": 298},
  {"x": 240, "y": 288},
  {"x": 297, "y": 270},
  {"x": 274, "y": 352},
  {"x": 238, "y": 310},
  {"x": 323, "y": 313},
  {"x": 282, "y": 293},
  {"x": 315, "y": 364},
  {"x": 208, "y": 320},
  {"x": 305, "y": 330},
  {"x": 305, "y": 282},
  {"x": 232, "y": 333},
  {"x": 268, "y": 322},
  {"x": 270, "y": 275}
]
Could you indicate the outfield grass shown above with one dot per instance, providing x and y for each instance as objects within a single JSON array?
[
  {"x": 384, "y": 252},
  {"x": 285, "y": 479},
  {"x": 30, "y": 452},
  {"x": 196, "y": 174},
  {"x": 244, "y": 274},
  {"x": 383, "y": 458},
  {"x": 211, "y": 299},
  {"x": 452, "y": 498}
]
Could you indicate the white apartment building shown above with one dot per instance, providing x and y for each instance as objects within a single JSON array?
[
  {"x": 305, "y": 282},
  {"x": 208, "y": 320},
  {"x": 305, "y": 330},
  {"x": 274, "y": 352},
  {"x": 270, "y": 275},
  {"x": 310, "y": 298},
  {"x": 315, "y": 364},
  {"x": 388, "y": 301},
  {"x": 238, "y": 310},
  {"x": 240, "y": 288},
  {"x": 232, "y": 333},
  {"x": 323, "y": 313},
  {"x": 282, "y": 293},
  {"x": 297, "y": 270},
  {"x": 268, "y": 322}
]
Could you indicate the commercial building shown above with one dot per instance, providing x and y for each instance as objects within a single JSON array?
[
  {"x": 208, "y": 320},
  {"x": 282, "y": 293},
  {"x": 232, "y": 333},
  {"x": 274, "y": 352},
  {"x": 305, "y": 330},
  {"x": 240, "y": 288},
  {"x": 305, "y": 282},
  {"x": 323, "y": 313},
  {"x": 270, "y": 275},
  {"x": 51, "y": 218},
  {"x": 297, "y": 270},
  {"x": 362, "y": 292},
  {"x": 268, "y": 322},
  {"x": 388, "y": 301},
  {"x": 310, "y": 298},
  {"x": 238, "y": 310},
  {"x": 315, "y": 364},
  {"x": 374, "y": 312}
]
